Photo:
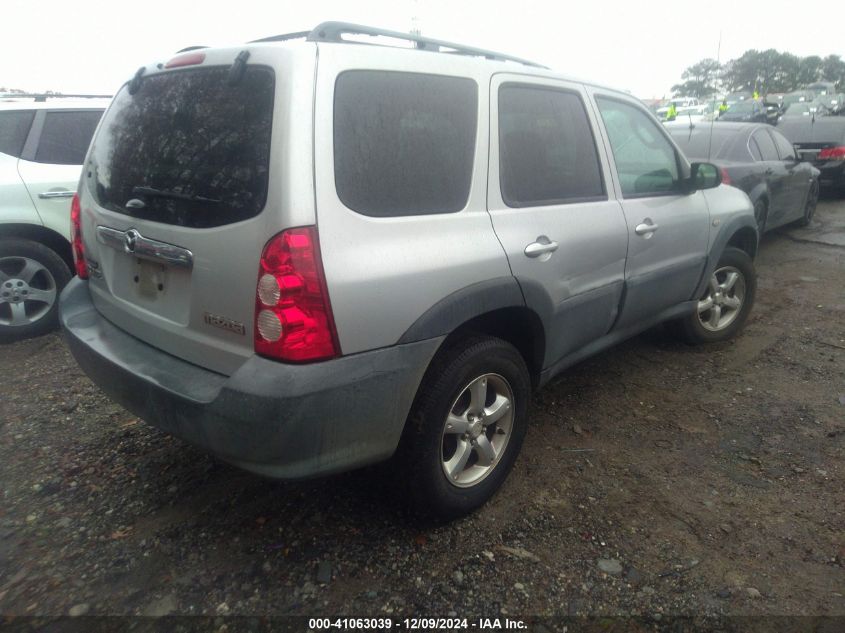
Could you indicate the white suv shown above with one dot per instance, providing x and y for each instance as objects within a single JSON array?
[{"x": 42, "y": 146}]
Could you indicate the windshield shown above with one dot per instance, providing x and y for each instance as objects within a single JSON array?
[
  {"x": 743, "y": 107},
  {"x": 188, "y": 148}
]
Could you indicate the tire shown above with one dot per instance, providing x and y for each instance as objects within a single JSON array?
[
  {"x": 810, "y": 205},
  {"x": 448, "y": 397},
  {"x": 761, "y": 215},
  {"x": 31, "y": 278},
  {"x": 734, "y": 301}
]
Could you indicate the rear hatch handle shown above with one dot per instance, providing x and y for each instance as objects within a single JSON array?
[{"x": 131, "y": 241}]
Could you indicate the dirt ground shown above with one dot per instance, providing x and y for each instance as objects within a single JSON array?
[{"x": 656, "y": 480}]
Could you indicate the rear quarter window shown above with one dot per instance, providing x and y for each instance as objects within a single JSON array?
[
  {"x": 14, "y": 128},
  {"x": 65, "y": 137},
  {"x": 403, "y": 142}
]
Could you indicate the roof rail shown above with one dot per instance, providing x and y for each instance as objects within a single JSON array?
[
  {"x": 282, "y": 37},
  {"x": 334, "y": 32},
  {"x": 44, "y": 97}
]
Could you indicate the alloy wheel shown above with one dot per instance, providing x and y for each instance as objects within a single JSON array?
[
  {"x": 723, "y": 299},
  {"x": 27, "y": 291},
  {"x": 477, "y": 430}
]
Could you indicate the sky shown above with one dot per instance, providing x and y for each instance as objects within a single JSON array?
[{"x": 93, "y": 46}]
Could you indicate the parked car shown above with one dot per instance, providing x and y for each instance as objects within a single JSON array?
[
  {"x": 762, "y": 162},
  {"x": 692, "y": 116},
  {"x": 798, "y": 96},
  {"x": 751, "y": 111},
  {"x": 804, "y": 109},
  {"x": 735, "y": 97},
  {"x": 834, "y": 102},
  {"x": 682, "y": 105},
  {"x": 822, "y": 88},
  {"x": 42, "y": 144},
  {"x": 822, "y": 142},
  {"x": 383, "y": 254}
]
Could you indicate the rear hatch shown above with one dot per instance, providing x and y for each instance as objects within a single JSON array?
[{"x": 177, "y": 201}]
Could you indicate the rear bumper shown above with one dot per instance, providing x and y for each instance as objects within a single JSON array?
[
  {"x": 832, "y": 173},
  {"x": 285, "y": 421}
]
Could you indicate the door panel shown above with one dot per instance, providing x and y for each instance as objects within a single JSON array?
[
  {"x": 565, "y": 237},
  {"x": 776, "y": 176},
  {"x": 51, "y": 188},
  {"x": 668, "y": 231},
  {"x": 796, "y": 180}
]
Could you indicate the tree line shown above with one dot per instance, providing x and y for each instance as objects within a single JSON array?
[{"x": 764, "y": 71}]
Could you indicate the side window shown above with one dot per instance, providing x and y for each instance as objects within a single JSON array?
[
  {"x": 547, "y": 153},
  {"x": 645, "y": 159},
  {"x": 404, "y": 143},
  {"x": 784, "y": 147},
  {"x": 14, "y": 128},
  {"x": 766, "y": 145},
  {"x": 66, "y": 136}
]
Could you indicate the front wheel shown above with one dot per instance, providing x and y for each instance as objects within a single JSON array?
[
  {"x": 727, "y": 300},
  {"x": 465, "y": 428}
]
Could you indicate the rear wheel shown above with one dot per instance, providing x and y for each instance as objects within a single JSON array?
[
  {"x": 726, "y": 302},
  {"x": 810, "y": 206},
  {"x": 31, "y": 278},
  {"x": 465, "y": 428}
]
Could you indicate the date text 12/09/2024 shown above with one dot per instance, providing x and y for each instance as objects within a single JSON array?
[{"x": 415, "y": 624}]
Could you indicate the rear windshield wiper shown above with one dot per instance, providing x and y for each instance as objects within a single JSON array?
[{"x": 174, "y": 195}]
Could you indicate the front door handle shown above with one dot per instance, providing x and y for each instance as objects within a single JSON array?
[
  {"x": 542, "y": 246},
  {"x": 647, "y": 227},
  {"x": 46, "y": 195}
]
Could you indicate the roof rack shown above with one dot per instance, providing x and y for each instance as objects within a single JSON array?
[
  {"x": 44, "y": 97},
  {"x": 334, "y": 32}
]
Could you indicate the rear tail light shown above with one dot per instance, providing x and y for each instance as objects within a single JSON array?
[
  {"x": 76, "y": 238},
  {"x": 832, "y": 153},
  {"x": 293, "y": 317},
  {"x": 726, "y": 177}
]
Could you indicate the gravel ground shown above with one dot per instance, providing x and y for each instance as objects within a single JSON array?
[{"x": 656, "y": 479}]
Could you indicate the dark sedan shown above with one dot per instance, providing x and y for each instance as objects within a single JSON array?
[
  {"x": 820, "y": 140},
  {"x": 751, "y": 111},
  {"x": 762, "y": 162}
]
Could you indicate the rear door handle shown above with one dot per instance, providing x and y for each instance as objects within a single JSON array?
[
  {"x": 647, "y": 227},
  {"x": 542, "y": 246},
  {"x": 770, "y": 171},
  {"x": 46, "y": 195}
]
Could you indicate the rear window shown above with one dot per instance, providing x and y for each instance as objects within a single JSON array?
[
  {"x": 66, "y": 136},
  {"x": 700, "y": 145},
  {"x": 188, "y": 148},
  {"x": 403, "y": 142},
  {"x": 14, "y": 128}
]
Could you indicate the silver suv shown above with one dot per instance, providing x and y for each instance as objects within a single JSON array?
[{"x": 306, "y": 254}]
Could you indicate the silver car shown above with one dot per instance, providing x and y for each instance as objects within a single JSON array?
[{"x": 305, "y": 255}]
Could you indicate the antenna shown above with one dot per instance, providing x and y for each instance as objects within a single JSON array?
[
  {"x": 415, "y": 19},
  {"x": 713, "y": 120}
]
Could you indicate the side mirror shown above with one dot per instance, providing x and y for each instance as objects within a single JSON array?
[{"x": 704, "y": 176}]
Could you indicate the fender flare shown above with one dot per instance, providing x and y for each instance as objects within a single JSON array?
[
  {"x": 728, "y": 230},
  {"x": 463, "y": 305}
]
